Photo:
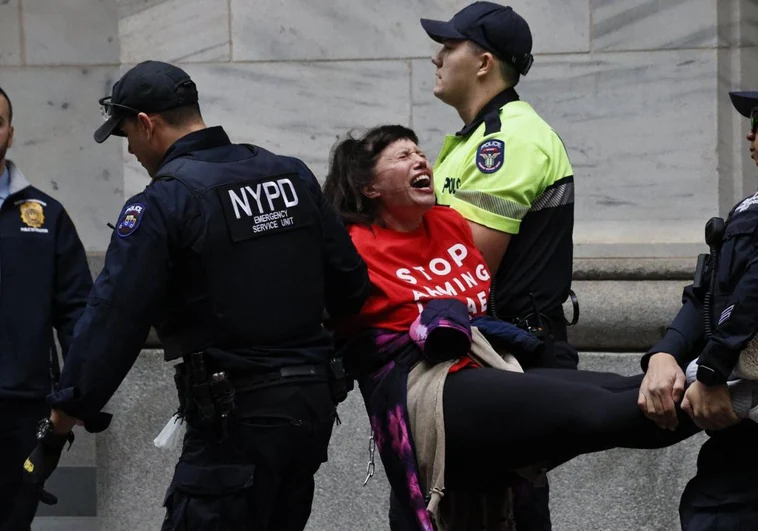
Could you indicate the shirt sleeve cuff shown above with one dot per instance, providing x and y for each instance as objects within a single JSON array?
[
  {"x": 66, "y": 401},
  {"x": 719, "y": 358}
]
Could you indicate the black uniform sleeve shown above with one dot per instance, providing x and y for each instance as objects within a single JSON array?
[
  {"x": 685, "y": 335},
  {"x": 126, "y": 299},
  {"x": 346, "y": 275},
  {"x": 73, "y": 281},
  {"x": 737, "y": 324}
]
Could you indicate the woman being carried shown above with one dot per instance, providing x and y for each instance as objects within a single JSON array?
[{"x": 447, "y": 412}]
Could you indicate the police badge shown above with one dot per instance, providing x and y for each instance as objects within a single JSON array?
[
  {"x": 32, "y": 214},
  {"x": 489, "y": 155}
]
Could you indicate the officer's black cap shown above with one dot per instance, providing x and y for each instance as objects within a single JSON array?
[
  {"x": 744, "y": 102},
  {"x": 498, "y": 29},
  {"x": 149, "y": 87}
]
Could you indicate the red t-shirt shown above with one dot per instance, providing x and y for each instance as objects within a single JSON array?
[{"x": 439, "y": 259}]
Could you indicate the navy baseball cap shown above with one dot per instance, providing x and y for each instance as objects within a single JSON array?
[
  {"x": 498, "y": 29},
  {"x": 744, "y": 102},
  {"x": 149, "y": 87}
]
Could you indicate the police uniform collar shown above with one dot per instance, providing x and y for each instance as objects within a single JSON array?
[
  {"x": 494, "y": 105},
  {"x": 207, "y": 138},
  {"x": 17, "y": 180}
]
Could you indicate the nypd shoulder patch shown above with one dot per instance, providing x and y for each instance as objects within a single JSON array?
[
  {"x": 130, "y": 219},
  {"x": 490, "y": 155}
]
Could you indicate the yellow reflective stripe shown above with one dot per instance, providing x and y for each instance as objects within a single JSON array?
[{"x": 493, "y": 204}]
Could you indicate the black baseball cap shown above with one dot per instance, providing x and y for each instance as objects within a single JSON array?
[
  {"x": 498, "y": 29},
  {"x": 744, "y": 102},
  {"x": 149, "y": 87}
]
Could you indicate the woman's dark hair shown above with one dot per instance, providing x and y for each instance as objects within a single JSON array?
[{"x": 351, "y": 169}]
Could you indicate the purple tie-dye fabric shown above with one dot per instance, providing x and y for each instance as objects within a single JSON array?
[
  {"x": 385, "y": 395},
  {"x": 382, "y": 360}
]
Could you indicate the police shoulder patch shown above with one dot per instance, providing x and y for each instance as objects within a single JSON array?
[
  {"x": 747, "y": 203},
  {"x": 130, "y": 219},
  {"x": 490, "y": 155}
]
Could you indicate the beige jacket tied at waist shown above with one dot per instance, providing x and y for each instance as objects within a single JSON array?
[{"x": 425, "y": 384}]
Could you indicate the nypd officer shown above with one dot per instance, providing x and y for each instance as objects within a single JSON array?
[
  {"x": 44, "y": 283},
  {"x": 232, "y": 254},
  {"x": 718, "y": 317},
  {"x": 507, "y": 172}
]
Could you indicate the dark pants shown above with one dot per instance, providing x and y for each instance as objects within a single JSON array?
[
  {"x": 723, "y": 495},
  {"x": 18, "y": 430},
  {"x": 498, "y": 421},
  {"x": 531, "y": 503},
  {"x": 260, "y": 478}
]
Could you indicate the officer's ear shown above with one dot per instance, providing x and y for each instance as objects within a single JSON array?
[
  {"x": 10, "y": 136},
  {"x": 487, "y": 63},
  {"x": 146, "y": 124}
]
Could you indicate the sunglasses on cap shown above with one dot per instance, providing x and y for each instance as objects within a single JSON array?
[
  {"x": 107, "y": 108},
  {"x": 754, "y": 119}
]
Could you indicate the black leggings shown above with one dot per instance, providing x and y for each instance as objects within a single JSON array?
[{"x": 497, "y": 421}]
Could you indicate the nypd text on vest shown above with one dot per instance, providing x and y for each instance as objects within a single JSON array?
[
  {"x": 264, "y": 201},
  {"x": 263, "y": 206}
]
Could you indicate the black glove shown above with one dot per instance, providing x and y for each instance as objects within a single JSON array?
[{"x": 44, "y": 459}]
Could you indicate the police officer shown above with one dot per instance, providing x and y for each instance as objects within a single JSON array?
[
  {"x": 506, "y": 170},
  {"x": 44, "y": 283},
  {"x": 233, "y": 254},
  {"x": 508, "y": 173},
  {"x": 718, "y": 317}
]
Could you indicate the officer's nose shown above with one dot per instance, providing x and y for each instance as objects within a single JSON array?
[
  {"x": 750, "y": 136},
  {"x": 436, "y": 60}
]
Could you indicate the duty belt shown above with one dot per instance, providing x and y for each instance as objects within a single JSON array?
[
  {"x": 209, "y": 398},
  {"x": 541, "y": 324},
  {"x": 300, "y": 372}
]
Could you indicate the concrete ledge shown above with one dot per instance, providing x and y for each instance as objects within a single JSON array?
[
  {"x": 634, "y": 268},
  {"x": 584, "y": 268},
  {"x": 624, "y": 315}
]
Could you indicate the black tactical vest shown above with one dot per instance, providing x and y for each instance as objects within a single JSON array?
[{"x": 250, "y": 284}]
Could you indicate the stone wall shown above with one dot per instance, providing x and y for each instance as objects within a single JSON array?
[{"x": 637, "y": 89}]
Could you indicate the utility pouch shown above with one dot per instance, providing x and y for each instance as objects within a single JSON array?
[
  {"x": 206, "y": 400},
  {"x": 339, "y": 383},
  {"x": 222, "y": 392}
]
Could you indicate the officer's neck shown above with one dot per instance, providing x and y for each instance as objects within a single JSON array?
[
  {"x": 170, "y": 137},
  {"x": 484, "y": 93}
]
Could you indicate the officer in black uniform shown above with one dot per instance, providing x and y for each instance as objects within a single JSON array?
[
  {"x": 44, "y": 283},
  {"x": 718, "y": 318},
  {"x": 232, "y": 254}
]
